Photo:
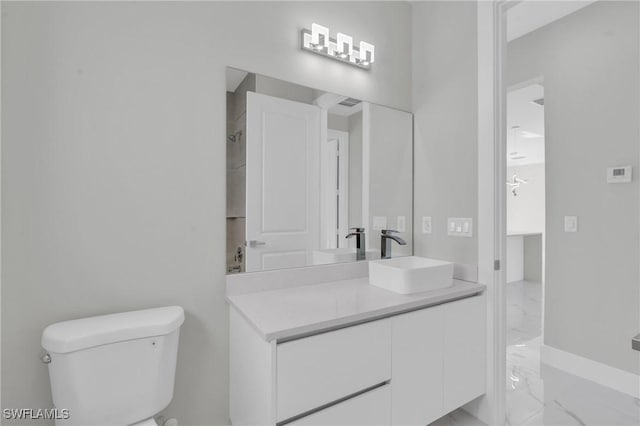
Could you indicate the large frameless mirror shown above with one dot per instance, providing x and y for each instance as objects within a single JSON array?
[{"x": 313, "y": 177}]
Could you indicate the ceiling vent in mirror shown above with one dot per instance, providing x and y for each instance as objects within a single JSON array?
[
  {"x": 341, "y": 48},
  {"x": 350, "y": 102}
]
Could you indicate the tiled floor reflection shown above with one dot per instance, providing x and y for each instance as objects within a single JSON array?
[{"x": 541, "y": 395}]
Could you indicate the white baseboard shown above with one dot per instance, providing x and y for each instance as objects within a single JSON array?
[{"x": 614, "y": 378}]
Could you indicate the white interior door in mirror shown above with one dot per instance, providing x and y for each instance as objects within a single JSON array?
[{"x": 283, "y": 184}]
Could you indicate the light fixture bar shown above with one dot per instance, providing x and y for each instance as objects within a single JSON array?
[{"x": 318, "y": 41}]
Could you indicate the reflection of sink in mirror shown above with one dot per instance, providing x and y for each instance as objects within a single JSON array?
[
  {"x": 406, "y": 275},
  {"x": 340, "y": 255}
]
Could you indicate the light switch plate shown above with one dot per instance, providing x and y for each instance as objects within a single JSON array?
[
  {"x": 379, "y": 223},
  {"x": 426, "y": 224},
  {"x": 401, "y": 224},
  {"x": 571, "y": 224},
  {"x": 460, "y": 226}
]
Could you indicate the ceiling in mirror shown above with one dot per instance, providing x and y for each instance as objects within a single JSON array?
[{"x": 313, "y": 177}]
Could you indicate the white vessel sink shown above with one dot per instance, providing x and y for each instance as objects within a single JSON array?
[
  {"x": 340, "y": 255},
  {"x": 406, "y": 275}
]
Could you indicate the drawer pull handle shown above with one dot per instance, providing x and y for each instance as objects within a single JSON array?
[{"x": 331, "y": 404}]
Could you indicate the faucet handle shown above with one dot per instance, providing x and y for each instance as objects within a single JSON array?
[
  {"x": 357, "y": 229},
  {"x": 389, "y": 231}
]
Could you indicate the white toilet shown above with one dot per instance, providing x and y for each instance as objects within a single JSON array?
[{"x": 114, "y": 370}]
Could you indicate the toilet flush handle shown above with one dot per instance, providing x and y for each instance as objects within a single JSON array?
[{"x": 46, "y": 359}]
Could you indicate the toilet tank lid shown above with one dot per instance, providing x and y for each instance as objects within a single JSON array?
[{"x": 70, "y": 336}]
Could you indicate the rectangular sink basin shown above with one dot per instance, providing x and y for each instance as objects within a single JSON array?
[
  {"x": 339, "y": 255},
  {"x": 406, "y": 275}
]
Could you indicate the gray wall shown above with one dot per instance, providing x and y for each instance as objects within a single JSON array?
[
  {"x": 113, "y": 163},
  {"x": 532, "y": 248},
  {"x": 355, "y": 172},
  {"x": 525, "y": 212},
  {"x": 590, "y": 64},
  {"x": 445, "y": 93},
  {"x": 283, "y": 89},
  {"x": 387, "y": 177}
]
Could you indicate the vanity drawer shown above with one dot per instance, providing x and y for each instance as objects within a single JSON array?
[
  {"x": 372, "y": 408},
  {"x": 321, "y": 369}
]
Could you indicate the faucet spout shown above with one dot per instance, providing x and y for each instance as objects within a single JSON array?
[
  {"x": 385, "y": 242},
  {"x": 361, "y": 253}
]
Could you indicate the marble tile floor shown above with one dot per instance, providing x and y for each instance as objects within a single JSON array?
[{"x": 538, "y": 394}]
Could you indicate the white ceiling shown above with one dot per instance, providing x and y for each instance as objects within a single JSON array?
[
  {"x": 529, "y": 15},
  {"x": 525, "y": 126}
]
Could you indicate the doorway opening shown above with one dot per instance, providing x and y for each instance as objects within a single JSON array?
[{"x": 525, "y": 255}]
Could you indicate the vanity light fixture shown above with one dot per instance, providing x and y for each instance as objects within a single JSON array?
[{"x": 317, "y": 40}]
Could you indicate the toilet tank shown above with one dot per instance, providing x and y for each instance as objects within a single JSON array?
[{"x": 115, "y": 369}]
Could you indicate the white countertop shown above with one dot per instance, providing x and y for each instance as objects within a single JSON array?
[{"x": 292, "y": 312}]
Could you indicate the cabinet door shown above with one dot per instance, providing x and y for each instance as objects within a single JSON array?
[
  {"x": 321, "y": 369},
  {"x": 464, "y": 351},
  {"x": 418, "y": 340},
  {"x": 369, "y": 409}
]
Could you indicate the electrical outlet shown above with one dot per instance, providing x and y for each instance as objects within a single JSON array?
[
  {"x": 426, "y": 224},
  {"x": 571, "y": 224},
  {"x": 401, "y": 224},
  {"x": 379, "y": 223}
]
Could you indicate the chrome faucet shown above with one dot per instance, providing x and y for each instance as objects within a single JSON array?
[
  {"x": 361, "y": 253},
  {"x": 385, "y": 242}
]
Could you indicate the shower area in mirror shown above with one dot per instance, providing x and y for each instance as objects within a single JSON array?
[{"x": 238, "y": 85}]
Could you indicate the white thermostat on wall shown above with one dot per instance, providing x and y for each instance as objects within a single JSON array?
[{"x": 619, "y": 174}]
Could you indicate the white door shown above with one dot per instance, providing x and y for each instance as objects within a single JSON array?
[{"x": 283, "y": 184}]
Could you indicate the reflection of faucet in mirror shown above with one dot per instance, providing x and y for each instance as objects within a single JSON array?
[
  {"x": 385, "y": 242},
  {"x": 361, "y": 253}
]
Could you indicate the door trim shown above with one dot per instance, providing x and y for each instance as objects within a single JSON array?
[{"x": 492, "y": 45}]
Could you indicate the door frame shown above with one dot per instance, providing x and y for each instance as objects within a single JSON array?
[
  {"x": 342, "y": 139},
  {"x": 492, "y": 47}
]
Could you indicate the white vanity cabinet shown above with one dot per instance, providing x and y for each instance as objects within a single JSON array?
[
  {"x": 438, "y": 360},
  {"x": 418, "y": 374},
  {"x": 327, "y": 367},
  {"x": 372, "y": 408},
  {"x": 405, "y": 369}
]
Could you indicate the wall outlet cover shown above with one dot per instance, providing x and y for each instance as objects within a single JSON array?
[
  {"x": 571, "y": 224},
  {"x": 379, "y": 223},
  {"x": 426, "y": 225},
  {"x": 401, "y": 224}
]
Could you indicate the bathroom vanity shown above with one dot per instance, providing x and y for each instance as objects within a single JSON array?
[
  {"x": 347, "y": 352},
  {"x": 315, "y": 182}
]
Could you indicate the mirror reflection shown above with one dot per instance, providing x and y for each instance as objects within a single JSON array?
[{"x": 313, "y": 177}]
